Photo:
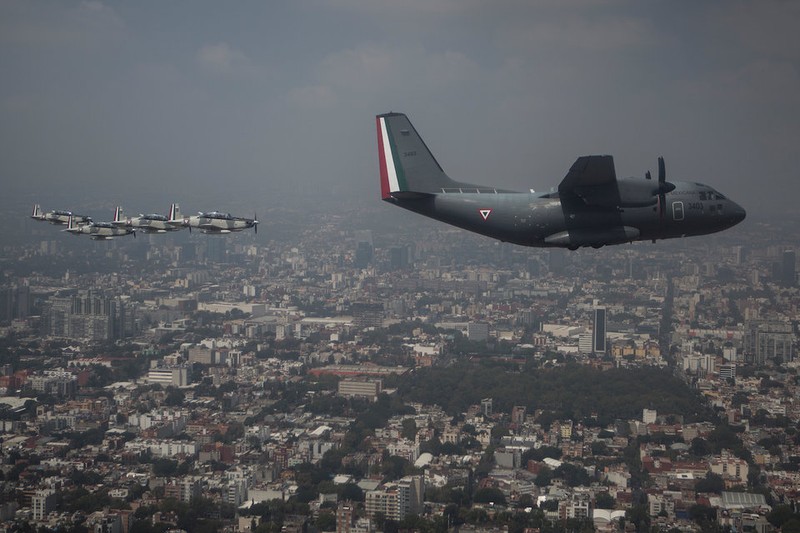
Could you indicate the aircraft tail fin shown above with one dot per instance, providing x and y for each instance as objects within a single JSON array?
[
  {"x": 70, "y": 223},
  {"x": 407, "y": 166},
  {"x": 175, "y": 216},
  {"x": 37, "y": 212},
  {"x": 118, "y": 217}
]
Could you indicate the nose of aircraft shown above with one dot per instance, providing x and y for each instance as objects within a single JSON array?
[{"x": 736, "y": 213}]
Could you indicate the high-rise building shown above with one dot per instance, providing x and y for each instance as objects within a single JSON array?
[
  {"x": 344, "y": 517},
  {"x": 86, "y": 315},
  {"x": 788, "y": 270},
  {"x": 411, "y": 491},
  {"x": 56, "y": 316},
  {"x": 367, "y": 315},
  {"x": 398, "y": 257},
  {"x": 22, "y": 302},
  {"x": 739, "y": 254},
  {"x": 765, "y": 340},
  {"x": 599, "y": 331},
  {"x": 6, "y": 304},
  {"x": 527, "y": 317},
  {"x": 396, "y": 500},
  {"x": 15, "y": 302},
  {"x": 364, "y": 248},
  {"x": 518, "y": 415},
  {"x": 42, "y": 502},
  {"x": 486, "y": 406},
  {"x": 363, "y": 255},
  {"x": 184, "y": 490},
  {"x": 216, "y": 249}
]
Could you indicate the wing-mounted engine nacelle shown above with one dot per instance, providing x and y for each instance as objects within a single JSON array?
[
  {"x": 637, "y": 192},
  {"x": 624, "y": 193}
]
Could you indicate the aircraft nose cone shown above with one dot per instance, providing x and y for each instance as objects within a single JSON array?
[{"x": 737, "y": 214}]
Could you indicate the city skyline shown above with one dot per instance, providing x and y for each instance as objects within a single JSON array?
[{"x": 367, "y": 374}]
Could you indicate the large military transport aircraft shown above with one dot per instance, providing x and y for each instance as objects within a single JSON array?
[
  {"x": 58, "y": 216},
  {"x": 591, "y": 207}
]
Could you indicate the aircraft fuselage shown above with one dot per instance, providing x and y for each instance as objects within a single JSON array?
[
  {"x": 153, "y": 224},
  {"x": 545, "y": 219},
  {"x": 220, "y": 223},
  {"x": 100, "y": 231}
]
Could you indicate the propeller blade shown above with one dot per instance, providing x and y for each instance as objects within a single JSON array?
[{"x": 662, "y": 188}]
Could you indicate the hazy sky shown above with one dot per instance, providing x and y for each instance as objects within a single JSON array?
[{"x": 223, "y": 104}]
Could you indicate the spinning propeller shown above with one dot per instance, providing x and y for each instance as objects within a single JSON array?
[{"x": 663, "y": 186}]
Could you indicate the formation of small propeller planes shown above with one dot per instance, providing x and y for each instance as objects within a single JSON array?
[{"x": 212, "y": 222}]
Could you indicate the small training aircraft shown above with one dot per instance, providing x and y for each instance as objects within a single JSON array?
[
  {"x": 98, "y": 231},
  {"x": 57, "y": 216},
  {"x": 220, "y": 223},
  {"x": 591, "y": 206},
  {"x": 152, "y": 223}
]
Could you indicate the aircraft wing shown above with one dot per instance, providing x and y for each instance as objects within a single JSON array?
[
  {"x": 589, "y": 171},
  {"x": 592, "y": 178}
]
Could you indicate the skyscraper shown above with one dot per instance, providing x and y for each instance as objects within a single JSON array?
[
  {"x": 215, "y": 249},
  {"x": 788, "y": 272},
  {"x": 398, "y": 257},
  {"x": 364, "y": 248},
  {"x": 87, "y": 314},
  {"x": 599, "y": 331},
  {"x": 15, "y": 302}
]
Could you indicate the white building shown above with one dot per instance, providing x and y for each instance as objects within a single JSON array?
[
  {"x": 42, "y": 502},
  {"x": 175, "y": 376}
]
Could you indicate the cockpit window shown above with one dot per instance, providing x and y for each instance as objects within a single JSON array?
[{"x": 710, "y": 195}]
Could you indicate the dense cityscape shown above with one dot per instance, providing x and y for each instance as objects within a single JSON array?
[{"x": 364, "y": 372}]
